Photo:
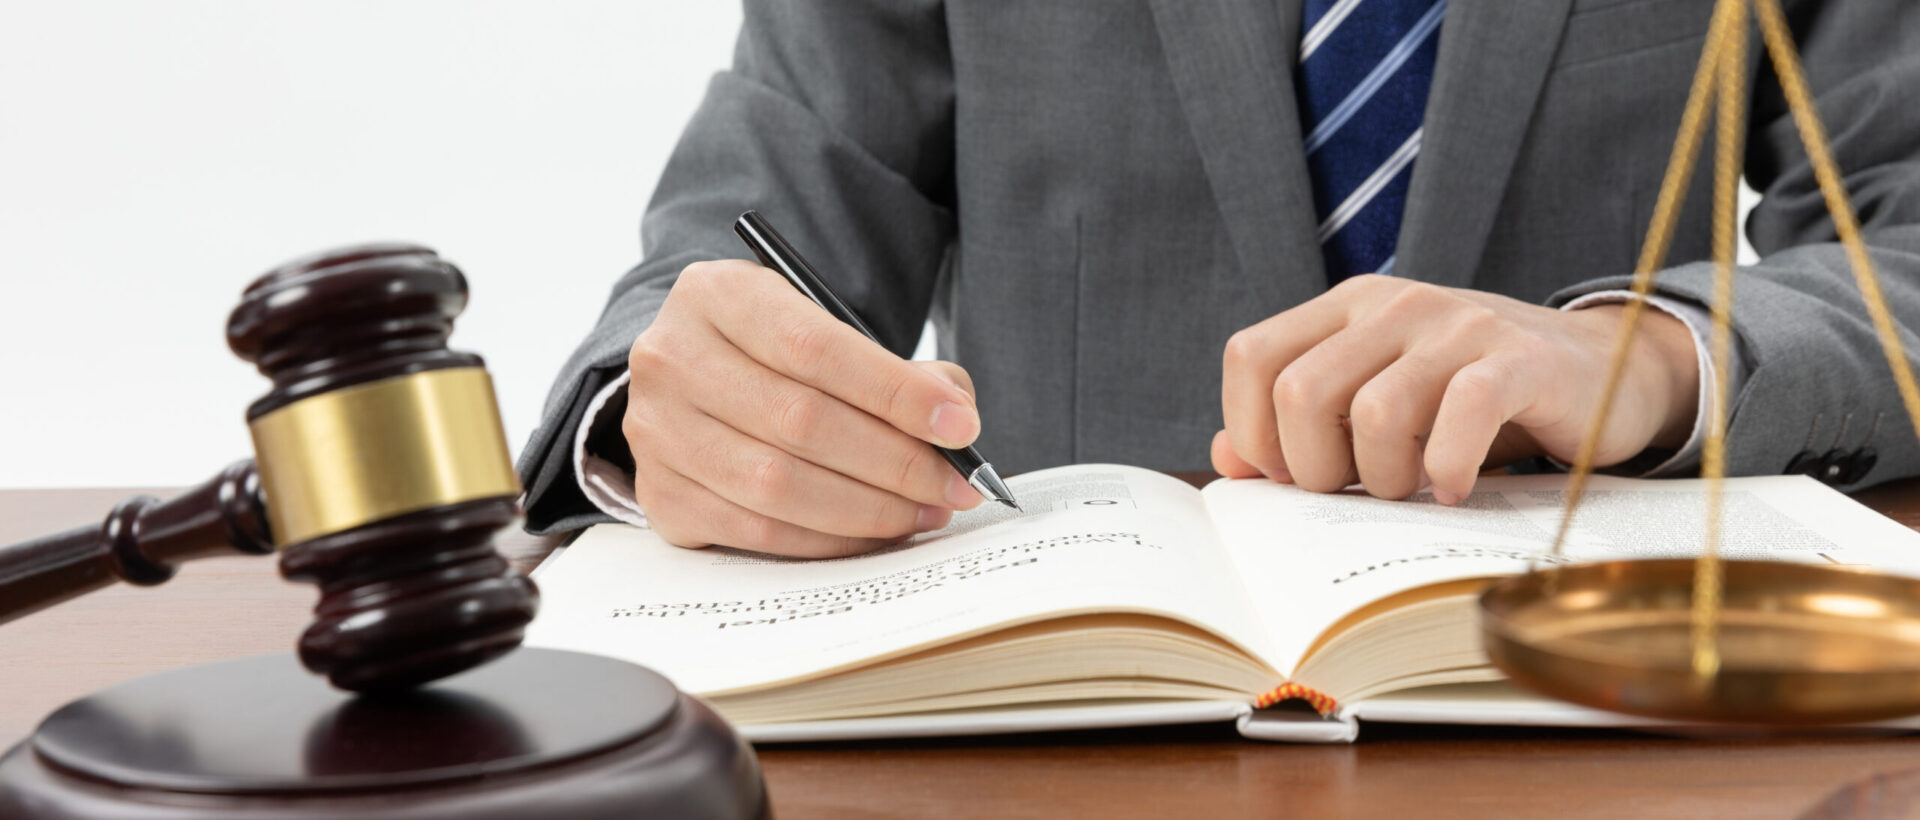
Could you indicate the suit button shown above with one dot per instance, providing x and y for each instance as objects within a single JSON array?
[
  {"x": 1859, "y": 464},
  {"x": 1834, "y": 466},
  {"x": 1805, "y": 462}
]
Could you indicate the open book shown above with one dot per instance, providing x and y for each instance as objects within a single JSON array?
[{"x": 1122, "y": 596}]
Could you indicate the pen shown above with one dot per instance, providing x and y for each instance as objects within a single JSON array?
[{"x": 774, "y": 252}]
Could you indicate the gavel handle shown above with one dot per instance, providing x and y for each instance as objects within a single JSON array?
[{"x": 139, "y": 542}]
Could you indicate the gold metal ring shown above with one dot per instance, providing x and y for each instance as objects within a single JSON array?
[{"x": 341, "y": 459}]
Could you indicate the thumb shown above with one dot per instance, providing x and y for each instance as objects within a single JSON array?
[
  {"x": 1229, "y": 463},
  {"x": 953, "y": 373}
]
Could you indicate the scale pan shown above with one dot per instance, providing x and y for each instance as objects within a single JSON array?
[{"x": 1800, "y": 644}]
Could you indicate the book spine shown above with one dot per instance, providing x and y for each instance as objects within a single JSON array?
[{"x": 1293, "y": 691}]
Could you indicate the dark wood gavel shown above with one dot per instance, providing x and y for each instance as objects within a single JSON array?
[{"x": 380, "y": 474}]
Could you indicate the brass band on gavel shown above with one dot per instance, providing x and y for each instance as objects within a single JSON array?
[{"x": 337, "y": 460}]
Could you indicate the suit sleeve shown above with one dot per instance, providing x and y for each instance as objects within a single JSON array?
[
  {"x": 1816, "y": 377},
  {"x": 835, "y": 120}
]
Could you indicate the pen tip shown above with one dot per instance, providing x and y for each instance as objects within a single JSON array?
[{"x": 991, "y": 487}]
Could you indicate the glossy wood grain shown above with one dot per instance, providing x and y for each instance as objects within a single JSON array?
[
  {"x": 226, "y": 607},
  {"x": 213, "y": 609},
  {"x": 411, "y": 587}
]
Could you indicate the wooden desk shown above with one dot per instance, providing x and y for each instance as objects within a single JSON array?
[{"x": 222, "y": 608}]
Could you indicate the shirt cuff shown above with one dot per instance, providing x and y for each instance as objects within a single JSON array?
[
  {"x": 1699, "y": 323},
  {"x": 604, "y": 483}
]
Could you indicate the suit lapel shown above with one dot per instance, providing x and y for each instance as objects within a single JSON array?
[
  {"x": 1232, "y": 63},
  {"x": 1493, "y": 61}
]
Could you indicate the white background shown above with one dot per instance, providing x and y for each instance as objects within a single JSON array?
[{"x": 156, "y": 156}]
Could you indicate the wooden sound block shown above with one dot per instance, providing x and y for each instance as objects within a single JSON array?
[{"x": 538, "y": 733}]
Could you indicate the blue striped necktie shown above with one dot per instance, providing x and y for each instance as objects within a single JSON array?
[{"x": 1365, "y": 69}]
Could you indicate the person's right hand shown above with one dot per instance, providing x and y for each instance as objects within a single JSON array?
[{"x": 759, "y": 421}]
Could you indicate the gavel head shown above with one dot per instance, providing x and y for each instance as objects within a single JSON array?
[{"x": 384, "y": 465}]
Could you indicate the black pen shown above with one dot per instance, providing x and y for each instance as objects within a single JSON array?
[{"x": 775, "y": 253}]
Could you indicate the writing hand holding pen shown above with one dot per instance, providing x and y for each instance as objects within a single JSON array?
[
  {"x": 759, "y": 421},
  {"x": 773, "y": 251}
]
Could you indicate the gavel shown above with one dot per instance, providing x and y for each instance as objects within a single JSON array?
[{"x": 380, "y": 474}]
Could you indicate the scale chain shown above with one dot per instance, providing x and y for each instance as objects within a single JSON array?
[{"x": 1720, "y": 78}]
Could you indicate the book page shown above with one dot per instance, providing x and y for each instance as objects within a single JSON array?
[
  {"x": 1308, "y": 559},
  {"x": 1092, "y": 538}
]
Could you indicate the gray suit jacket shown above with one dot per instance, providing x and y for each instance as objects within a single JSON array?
[{"x": 1088, "y": 198}]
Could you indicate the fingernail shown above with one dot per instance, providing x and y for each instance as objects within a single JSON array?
[
  {"x": 1447, "y": 497},
  {"x": 931, "y": 518},
  {"x": 960, "y": 494},
  {"x": 953, "y": 425}
]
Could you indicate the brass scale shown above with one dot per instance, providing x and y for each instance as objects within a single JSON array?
[{"x": 1707, "y": 640}]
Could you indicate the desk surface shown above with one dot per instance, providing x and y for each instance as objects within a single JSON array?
[{"x": 226, "y": 607}]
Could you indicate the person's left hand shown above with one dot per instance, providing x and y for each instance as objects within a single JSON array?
[{"x": 1398, "y": 384}]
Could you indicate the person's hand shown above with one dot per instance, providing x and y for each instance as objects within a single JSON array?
[
  {"x": 1398, "y": 384},
  {"x": 759, "y": 421}
]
